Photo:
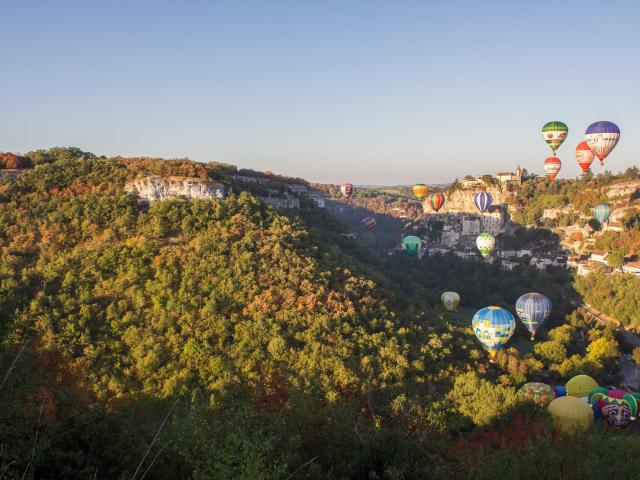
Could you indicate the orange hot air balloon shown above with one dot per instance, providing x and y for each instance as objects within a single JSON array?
[
  {"x": 584, "y": 155},
  {"x": 420, "y": 190},
  {"x": 552, "y": 166}
]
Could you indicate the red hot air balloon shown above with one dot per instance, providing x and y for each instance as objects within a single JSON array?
[
  {"x": 346, "y": 189},
  {"x": 552, "y": 166},
  {"x": 584, "y": 155}
]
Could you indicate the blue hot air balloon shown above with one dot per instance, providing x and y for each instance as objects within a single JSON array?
[
  {"x": 482, "y": 201},
  {"x": 602, "y": 137},
  {"x": 493, "y": 326},
  {"x": 602, "y": 212},
  {"x": 533, "y": 309}
]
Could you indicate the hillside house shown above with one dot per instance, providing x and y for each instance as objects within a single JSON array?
[
  {"x": 599, "y": 256},
  {"x": 632, "y": 267},
  {"x": 509, "y": 177},
  {"x": 614, "y": 227}
]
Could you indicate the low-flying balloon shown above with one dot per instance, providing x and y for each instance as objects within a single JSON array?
[
  {"x": 420, "y": 190},
  {"x": 570, "y": 413},
  {"x": 485, "y": 243},
  {"x": 450, "y": 300},
  {"x": 540, "y": 393},
  {"x": 617, "y": 407},
  {"x": 533, "y": 309},
  {"x": 436, "y": 200},
  {"x": 584, "y": 155},
  {"x": 580, "y": 386},
  {"x": 552, "y": 166},
  {"x": 602, "y": 137},
  {"x": 493, "y": 326},
  {"x": 368, "y": 224},
  {"x": 482, "y": 201},
  {"x": 346, "y": 189},
  {"x": 554, "y": 133},
  {"x": 602, "y": 212},
  {"x": 411, "y": 244}
]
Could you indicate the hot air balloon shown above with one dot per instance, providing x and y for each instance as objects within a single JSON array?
[
  {"x": 411, "y": 244},
  {"x": 368, "y": 224},
  {"x": 554, "y": 134},
  {"x": 436, "y": 200},
  {"x": 347, "y": 190},
  {"x": 552, "y": 166},
  {"x": 420, "y": 190},
  {"x": 617, "y": 407},
  {"x": 602, "y": 212},
  {"x": 493, "y": 326},
  {"x": 450, "y": 300},
  {"x": 570, "y": 413},
  {"x": 482, "y": 201},
  {"x": 602, "y": 137},
  {"x": 540, "y": 393},
  {"x": 580, "y": 386},
  {"x": 584, "y": 156},
  {"x": 485, "y": 243},
  {"x": 533, "y": 309}
]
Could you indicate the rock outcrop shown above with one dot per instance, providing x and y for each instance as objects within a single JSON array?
[
  {"x": 461, "y": 199},
  {"x": 155, "y": 187}
]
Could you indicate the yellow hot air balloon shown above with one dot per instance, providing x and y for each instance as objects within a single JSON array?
[
  {"x": 420, "y": 190},
  {"x": 580, "y": 386},
  {"x": 570, "y": 413}
]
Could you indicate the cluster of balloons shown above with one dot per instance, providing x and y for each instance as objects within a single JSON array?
[{"x": 601, "y": 138}]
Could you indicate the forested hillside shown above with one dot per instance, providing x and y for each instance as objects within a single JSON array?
[{"x": 221, "y": 339}]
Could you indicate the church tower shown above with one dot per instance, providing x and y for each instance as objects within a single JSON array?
[{"x": 519, "y": 174}]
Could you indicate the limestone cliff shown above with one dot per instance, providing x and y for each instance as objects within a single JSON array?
[
  {"x": 155, "y": 187},
  {"x": 461, "y": 199}
]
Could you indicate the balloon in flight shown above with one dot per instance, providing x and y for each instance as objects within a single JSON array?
[
  {"x": 485, "y": 243},
  {"x": 450, "y": 300},
  {"x": 584, "y": 155},
  {"x": 420, "y": 190},
  {"x": 602, "y": 212},
  {"x": 554, "y": 133},
  {"x": 436, "y": 200},
  {"x": 411, "y": 244},
  {"x": 368, "y": 224},
  {"x": 482, "y": 201},
  {"x": 493, "y": 326},
  {"x": 552, "y": 166},
  {"x": 602, "y": 137},
  {"x": 533, "y": 309},
  {"x": 346, "y": 189}
]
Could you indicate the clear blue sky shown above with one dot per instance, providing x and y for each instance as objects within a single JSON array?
[{"x": 364, "y": 91}]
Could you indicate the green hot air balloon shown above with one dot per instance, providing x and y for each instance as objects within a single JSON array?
[
  {"x": 411, "y": 244},
  {"x": 554, "y": 133},
  {"x": 485, "y": 243}
]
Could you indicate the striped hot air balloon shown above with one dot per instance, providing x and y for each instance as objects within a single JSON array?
[
  {"x": 485, "y": 243},
  {"x": 552, "y": 166},
  {"x": 368, "y": 224},
  {"x": 602, "y": 212},
  {"x": 602, "y": 137},
  {"x": 533, "y": 309},
  {"x": 493, "y": 326},
  {"x": 450, "y": 300},
  {"x": 411, "y": 244},
  {"x": 436, "y": 200},
  {"x": 420, "y": 190},
  {"x": 584, "y": 155},
  {"x": 482, "y": 201},
  {"x": 347, "y": 190},
  {"x": 554, "y": 134}
]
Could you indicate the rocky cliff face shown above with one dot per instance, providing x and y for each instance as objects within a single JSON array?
[
  {"x": 155, "y": 187},
  {"x": 461, "y": 200}
]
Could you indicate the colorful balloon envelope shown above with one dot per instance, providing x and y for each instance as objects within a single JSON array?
[
  {"x": 485, "y": 243},
  {"x": 584, "y": 155},
  {"x": 411, "y": 244},
  {"x": 493, "y": 326},
  {"x": 617, "y": 407},
  {"x": 347, "y": 190},
  {"x": 554, "y": 133},
  {"x": 533, "y": 309},
  {"x": 570, "y": 413},
  {"x": 420, "y": 190},
  {"x": 602, "y": 212},
  {"x": 450, "y": 300},
  {"x": 540, "y": 393},
  {"x": 602, "y": 137},
  {"x": 552, "y": 166},
  {"x": 436, "y": 200},
  {"x": 368, "y": 224},
  {"x": 482, "y": 201},
  {"x": 580, "y": 386}
]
